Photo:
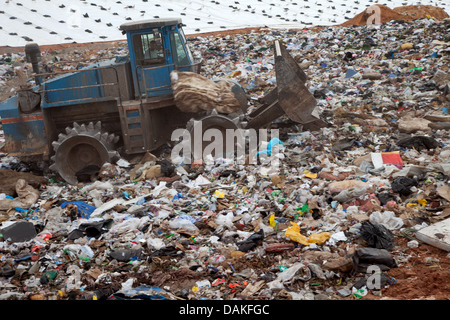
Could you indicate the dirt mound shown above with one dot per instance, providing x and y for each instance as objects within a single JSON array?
[
  {"x": 422, "y": 11},
  {"x": 386, "y": 15},
  {"x": 405, "y": 13}
]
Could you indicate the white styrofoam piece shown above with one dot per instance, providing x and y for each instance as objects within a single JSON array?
[{"x": 437, "y": 235}]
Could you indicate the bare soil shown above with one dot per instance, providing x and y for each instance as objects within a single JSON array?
[
  {"x": 425, "y": 276},
  {"x": 422, "y": 11},
  {"x": 405, "y": 13}
]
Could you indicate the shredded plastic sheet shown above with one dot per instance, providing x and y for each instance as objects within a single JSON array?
[{"x": 293, "y": 233}]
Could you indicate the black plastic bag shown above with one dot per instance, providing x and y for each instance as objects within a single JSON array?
[
  {"x": 167, "y": 168},
  {"x": 402, "y": 185},
  {"x": 169, "y": 251},
  {"x": 251, "y": 242},
  {"x": 125, "y": 255},
  {"x": 418, "y": 143},
  {"x": 384, "y": 280},
  {"x": 385, "y": 197},
  {"x": 91, "y": 229},
  {"x": 377, "y": 236},
  {"x": 365, "y": 257},
  {"x": 343, "y": 144}
]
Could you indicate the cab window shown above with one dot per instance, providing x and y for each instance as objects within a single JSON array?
[
  {"x": 180, "y": 57},
  {"x": 149, "y": 49}
]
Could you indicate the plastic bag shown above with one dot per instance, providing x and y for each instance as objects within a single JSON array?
[
  {"x": 365, "y": 257},
  {"x": 83, "y": 208},
  {"x": 296, "y": 271},
  {"x": 293, "y": 233},
  {"x": 251, "y": 242},
  {"x": 387, "y": 219},
  {"x": 339, "y": 186},
  {"x": 185, "y": 224},
  {"x": 141, "y": 293},
  {"x": 272, "y": 143},
  {"x": 403, "y": 185},
  {"x": 350, "y": 194},
  {"x": 224, "y": 221},
  {"x": 377, "y": 235}
]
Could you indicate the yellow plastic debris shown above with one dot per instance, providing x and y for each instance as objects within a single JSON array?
[
  {"x": 311, "y": 175},
  {"x": 423, "y": 202},
  {"x": 219, "y": 194},
  {"x": 272, "y": 221},
  {"x": 293, "y": 233},
  {"x": 406, "y": 46}
]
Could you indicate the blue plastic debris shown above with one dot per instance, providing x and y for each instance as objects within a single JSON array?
[
  {"x": 135, "y": 258},
  {"x": 350, "y": 73},
  {"x": 83, "y": 208},
  {"x": 273, "y": 142},
  {"x": 187, "y": 217},
  {"x": 140, "y": 293},
  {"x": 24, "y": 258},
  {"x": 177, "y": 196},
  {"x": 140, "y": 201},
  {"x": 126, "y": 195}
]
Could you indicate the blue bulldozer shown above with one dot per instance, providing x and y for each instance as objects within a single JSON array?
[{"x": 126, "y": 105}]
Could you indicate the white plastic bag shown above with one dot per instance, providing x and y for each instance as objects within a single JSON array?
[
  {"x": 387, "y": 219},
  {"x": 185, "y": 224},
  {"x": 224, "y": 221}
]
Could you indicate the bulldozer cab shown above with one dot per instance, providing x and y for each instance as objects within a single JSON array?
[{"x": 156, "y": 48}]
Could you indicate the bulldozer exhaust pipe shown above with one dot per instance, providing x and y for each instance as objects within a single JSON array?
[{"x": 33, "y": 56}]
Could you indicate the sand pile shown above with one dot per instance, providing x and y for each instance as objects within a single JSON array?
[{"x": 406, "y": 13}]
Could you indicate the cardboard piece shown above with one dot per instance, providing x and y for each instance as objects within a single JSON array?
[{"x": 386, "y": 158}]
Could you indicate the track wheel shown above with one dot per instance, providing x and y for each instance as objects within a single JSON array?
[
  {"x": 213, "y": 120},
  {"x": 82, "y": 146}
]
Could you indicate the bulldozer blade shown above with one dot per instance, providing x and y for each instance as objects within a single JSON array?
[
  {"x": 264, "y": 115},
  {"x": 293, "y": 96},
  {"x": 314, "y": 125}
]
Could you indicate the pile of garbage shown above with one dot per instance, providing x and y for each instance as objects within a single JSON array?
[
  {"x": 346, "y": 207},
  {"x": 15, "y": 72}
]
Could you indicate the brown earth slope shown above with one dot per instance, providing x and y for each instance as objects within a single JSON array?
[
  {"x": 422, "y": 11},
  {"x": 406, "y": 13}
]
